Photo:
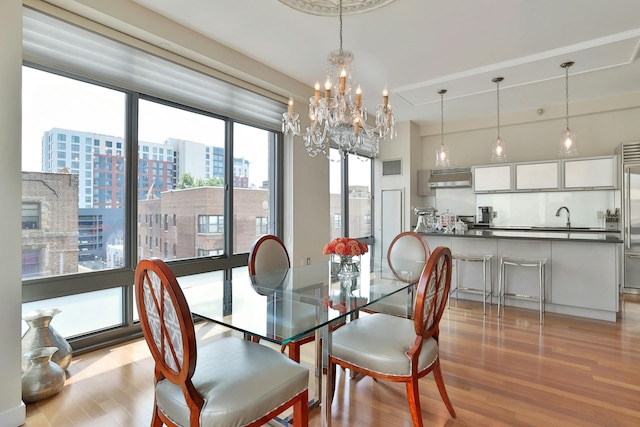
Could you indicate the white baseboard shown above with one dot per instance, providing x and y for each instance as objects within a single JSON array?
[{"x": 14, "y": 417}]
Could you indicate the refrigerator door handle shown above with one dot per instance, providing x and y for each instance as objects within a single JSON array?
[{"x": 625, "y": 200}]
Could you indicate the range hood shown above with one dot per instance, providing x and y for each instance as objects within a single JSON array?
[{"x": 450, "y": 178}]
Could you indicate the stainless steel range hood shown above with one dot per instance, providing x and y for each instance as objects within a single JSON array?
[{"x": 450, "y": 178}]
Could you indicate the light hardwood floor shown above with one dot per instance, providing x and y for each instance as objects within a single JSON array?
[{"x": 498, "y": 372}]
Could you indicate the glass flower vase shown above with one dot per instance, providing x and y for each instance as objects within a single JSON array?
[{"x": 347, "y": 268}]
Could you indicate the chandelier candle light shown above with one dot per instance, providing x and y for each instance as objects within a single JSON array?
[{"x": 337, "y": 119}]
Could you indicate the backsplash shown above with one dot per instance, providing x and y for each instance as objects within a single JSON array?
[{"x": 539, "y": 209}]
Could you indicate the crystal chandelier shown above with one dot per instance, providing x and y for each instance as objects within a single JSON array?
[
  {"x": 567, "y": 139},
  {"x": 337, "y": 119},
  {"x": 498, "y": 148},
  {"x": 443, "y": 160}
]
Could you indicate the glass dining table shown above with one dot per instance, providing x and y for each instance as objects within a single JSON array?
[{"x": 287, "y": 305}]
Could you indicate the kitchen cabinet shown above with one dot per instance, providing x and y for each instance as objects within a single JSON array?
[
  {"x": 589, "y": 173},
  {"x": 538, "y": 176},
  {"x": 585, "y": 276},
  {"x": 492, "y": 178}
]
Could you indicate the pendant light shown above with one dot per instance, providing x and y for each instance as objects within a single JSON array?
[
  {"x": 498, "y": 148},
  {"x": 568, "y": 146},
  {"x": 442, "y": 153}
]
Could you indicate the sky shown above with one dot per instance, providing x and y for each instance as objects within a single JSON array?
[{"x": 51, "y": 101}]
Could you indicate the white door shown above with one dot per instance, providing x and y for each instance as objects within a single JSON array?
[{"x": 391, "y": 219}]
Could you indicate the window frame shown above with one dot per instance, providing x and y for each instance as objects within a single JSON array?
[{"x": 41, "y": 288}]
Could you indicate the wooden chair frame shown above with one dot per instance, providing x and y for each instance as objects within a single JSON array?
[
  {"x": 176, "y": 360},
  {"x": 436, "y": 281}
]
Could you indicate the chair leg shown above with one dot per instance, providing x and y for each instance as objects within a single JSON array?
[
  {"x": 155, "y": 420},
  {"x": 294, "y": 351},
  {"x": 437, "y": 373},
  {"x": 332, "y": 366},
  {"x": 413, "y": 395},
  {"x": 301, "y": 410}
]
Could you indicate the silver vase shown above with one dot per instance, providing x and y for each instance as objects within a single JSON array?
[
  {"x": 43, "y": 378},
  {"x": 41, "y": 334}
]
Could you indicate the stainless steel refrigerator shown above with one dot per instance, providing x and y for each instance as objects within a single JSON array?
[{"x": 630, "y": 166}]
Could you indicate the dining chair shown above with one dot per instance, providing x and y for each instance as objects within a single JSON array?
[
  {"x": 268, "y": 254},
  {"x": 407, "y": 256},
  {"x": 225, "y": 382},
  {"x": 392, "y": 348}
]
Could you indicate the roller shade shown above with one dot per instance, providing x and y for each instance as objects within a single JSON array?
[{"x": 66, "y": 47}]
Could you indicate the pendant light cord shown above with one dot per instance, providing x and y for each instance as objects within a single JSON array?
[
  {"x": 566, "y": 79},
  {"x": 442, "y": 92},
  {"x": 498, "y": 104},
  {"x": 340, "y": 27}
]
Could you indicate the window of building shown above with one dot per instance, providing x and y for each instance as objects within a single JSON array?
[
  {"x": 210, "y": 224},
  {"x": 337, "y": 221},
  {"x": 30, "y": 216},
  {"x": 262, "y": 225},
  {"x": 30, "y": 262},
  {"x": 210, "y": 252}
]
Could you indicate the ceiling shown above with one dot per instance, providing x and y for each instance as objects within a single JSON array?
[{"x": 416, "y": 47}]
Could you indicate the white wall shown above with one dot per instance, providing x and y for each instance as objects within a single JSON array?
[
  {"x": 12, "y": 410},
  {"x": 600, "y": 126}
]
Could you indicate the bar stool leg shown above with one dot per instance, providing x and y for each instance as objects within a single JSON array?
[
  {"x": 484, "y": 283},
  {"x": 500, "y": 290},
  {"x": 541, "y": 274}
]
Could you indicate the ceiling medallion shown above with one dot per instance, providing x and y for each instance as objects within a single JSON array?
[{"x": 332, "y": 7}]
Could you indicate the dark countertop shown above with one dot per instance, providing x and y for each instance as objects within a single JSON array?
[{"x": 572, "y": 236}]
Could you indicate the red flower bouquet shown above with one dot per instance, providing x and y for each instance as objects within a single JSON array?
[{"x": 345, "y": 246}]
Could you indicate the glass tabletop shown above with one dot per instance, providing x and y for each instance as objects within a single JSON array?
[{"x": 286, "y": 305}]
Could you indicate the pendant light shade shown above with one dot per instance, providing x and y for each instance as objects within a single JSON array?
[
  {"x": 442, "y": 153},
  {"x": 498, "y": 148},
  {"x": 568, "y": 146}
]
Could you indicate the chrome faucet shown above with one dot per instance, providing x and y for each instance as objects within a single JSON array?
[{"x": 568, "y": 215}]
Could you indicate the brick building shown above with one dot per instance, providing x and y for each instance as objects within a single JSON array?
[
  {"x": 190, "y": 222},
  {"x": 49, "y": 223}
]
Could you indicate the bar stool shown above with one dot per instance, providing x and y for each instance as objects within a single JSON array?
[
  {"x": 486, "y": 293},
  {"x": 538, "y": 263}
]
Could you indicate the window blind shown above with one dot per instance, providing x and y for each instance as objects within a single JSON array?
[{"x": 51, "y": 42}]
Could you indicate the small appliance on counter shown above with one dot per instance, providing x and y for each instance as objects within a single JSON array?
[
  {"x": 427, "y": 220},
  {"x": 448, "y": 222},
  {"x": 611, "y": 220},
  {"x": 485, "y": 215}
]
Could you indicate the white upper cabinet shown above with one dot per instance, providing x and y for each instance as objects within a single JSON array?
[
  {"x": 538, "y": 176},
  {"x": 492, "y": 178},
  {"x": 588, "y": 173}
]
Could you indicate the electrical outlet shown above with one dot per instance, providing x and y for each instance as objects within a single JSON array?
[
  {"x": 308, "y": 261},
  {"x": 600, "y": 214}
]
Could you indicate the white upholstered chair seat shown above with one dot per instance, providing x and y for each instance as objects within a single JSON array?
[
  {"x": 233, "y": 376},
  {"x": 387, "y": 353}
]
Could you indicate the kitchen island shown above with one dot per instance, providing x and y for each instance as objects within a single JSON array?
[{"x": 582, "y": 271}]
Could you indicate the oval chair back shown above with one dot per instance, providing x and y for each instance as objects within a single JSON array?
[
  {"x": 268, "y": 254},
  {"x": 407, "y": 256}
]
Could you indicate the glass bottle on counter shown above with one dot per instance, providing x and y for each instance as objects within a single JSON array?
[{"x": 448, "y": 221}]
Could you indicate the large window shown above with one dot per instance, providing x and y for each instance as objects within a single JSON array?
[
  {"x": 350, "y": 184},
  {"x": 58, "y": 108},
  {"x": 199, "y": 170}
]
